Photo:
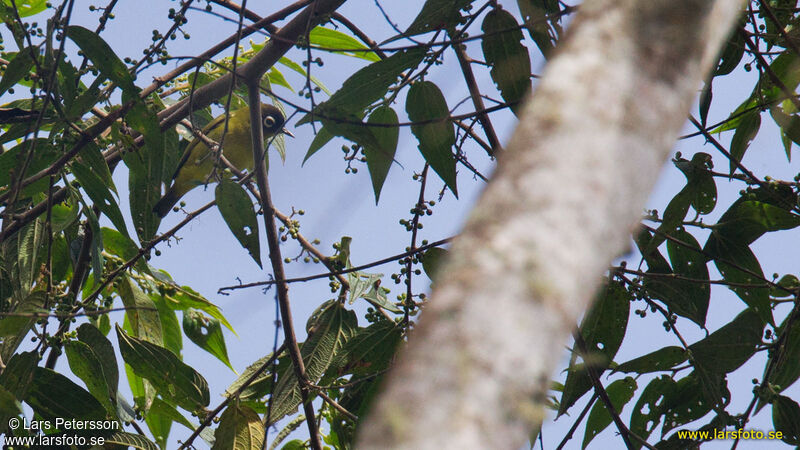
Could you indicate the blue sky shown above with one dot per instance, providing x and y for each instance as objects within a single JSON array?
[{"x": 208, "y": 257}]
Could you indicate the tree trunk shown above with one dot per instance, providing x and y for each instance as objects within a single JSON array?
[{"x": 560, "y": 207}]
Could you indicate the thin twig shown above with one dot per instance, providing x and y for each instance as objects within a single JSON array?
[
  {"x": 379, "y": 262},
  {"x": 477, "y": 100},
  {"x": 210, "y": 417}
]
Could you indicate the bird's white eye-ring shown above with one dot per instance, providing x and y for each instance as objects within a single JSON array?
[{"x": 269, "y": 121}]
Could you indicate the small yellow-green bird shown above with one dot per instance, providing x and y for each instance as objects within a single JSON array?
[{"x": 198, "y": 159}]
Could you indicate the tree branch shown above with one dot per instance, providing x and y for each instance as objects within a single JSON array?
[
  {"x": 273, "y": 242},
  {"x": 531, "y": 255}
]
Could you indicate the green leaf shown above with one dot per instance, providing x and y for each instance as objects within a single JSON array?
[
  {"x": 299, "y": 69},
  {"x": 735, "y": 118},
  {"x": 26, "y": 8},
  {"x": 141, "y": 311},
  {"x": 239, "y": 428},
  {"x": 328, "y": 38},
  {"x": 673, "y": 217},
  {"x": 706, "y": 95},
  {"x": 276, "y": 77},
  {"x": 368, "y": 286},
  {"x": 100, "y": 193},
  {"x": 745, "y": 133},
  {"x": 657, "y": 361},
  {"x": 786, "y": 419},
  {"x": 173, "y": 153},
  {"x": 15, "y": 380},
  {"x": 14, "y": 383},
  {"x": 366, "y": 86},
  {"x": 123, "y": 246},
  {"x": 104, "y": 350},
  {"x": 64, "y": 214},
  {"x": 143, "y": 391},
  {"x": 146, "y": 168},
  {"x": 44, "y": 155},
  {"x": 377, "y": 296},
  {"x": 294, "y": 444},
  {"x": 61, "y": 262},
  {"x": 700, "y": 184},
  {"x": 432, "y": 261},
  {"x": 786, "y": 365},
  {"x": 620, "y": 392},
  {"x": 785, "y": 67},
  {"x": 788, "y": 282},
  {"x": 676, "y": 402},
  {"x": 790, "y": 128},
  {"x": 290, "y": 427},
  {"x": 206, "y": 333},
  {"x": 19, "y": 325},
  {"x": 350, "y": 127},
  {"x": 649, "y": 250},
  {"x": 746, "y": 220},
  {"x": 84, "y": 101},
  {"x": 85, "y": 364},
  {"x": 689, "y": 262},
  {"x": 9, "y": 407},
  {"x": 165, "y": 409},
  {"x": 236, "y": 208},
  {"x": 729, "y": 347},
  {"x": 745, "y": 283},
  {"x": 508, "y": 59},
  {"x": 125, "y": 411},
  {"x": 137, "y": 441},
  {"x": 341, "y": 115},
  {"x": 603, "y": 328},
  {"x": 261, "y": 385},
  {"x": 689, "y": 400},
  {"x": 437, "y": 15},
  {"x": 782, "y": 16},
  {"x": 185, "y": 297},
  {"x": 779, "y": 195},
  {"x": 541, "y": 18},
  {"x": 175, "y": 381},
  {"x": 15, "y": 329},
  {"x": 17, "y": 68},
  {"x": 647, "y": 412},
  {"x": 576, "y": 385},
  {"x": 381, "y": 157},
  {"x": 323, "y": 137},
  {"x": 30, "y": 253},
  {"x": 91, "y": 157},
  {"x": 170, "y": 327},
  {"x": 102, "y": 56},
  {"x": 328, "y": 333},
  {"x": 160, "y": 418},
  {"x": 357, "y": 399},
  {"x": 68, "y": 83},
  {"x": 371, "y": 349},
  {"x": 426, "y": 104},
  {"x": 96, "y": 248},
  {"x": 53, "y": 395},
  {"x": 733, "y": 52}
]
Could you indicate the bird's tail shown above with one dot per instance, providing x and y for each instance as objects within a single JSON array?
[{"x": 167, "y": 202}]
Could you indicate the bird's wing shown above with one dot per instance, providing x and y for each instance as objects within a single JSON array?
[{"x": 215, "y": 124}]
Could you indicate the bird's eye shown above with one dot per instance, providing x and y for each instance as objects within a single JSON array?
[{"x": 269, "y": 121}]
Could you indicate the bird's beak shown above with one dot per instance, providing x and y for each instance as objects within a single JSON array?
[{"x": 287, "y": 132}]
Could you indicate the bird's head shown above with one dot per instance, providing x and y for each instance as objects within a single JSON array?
[{"x": 272, "y": 120}]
